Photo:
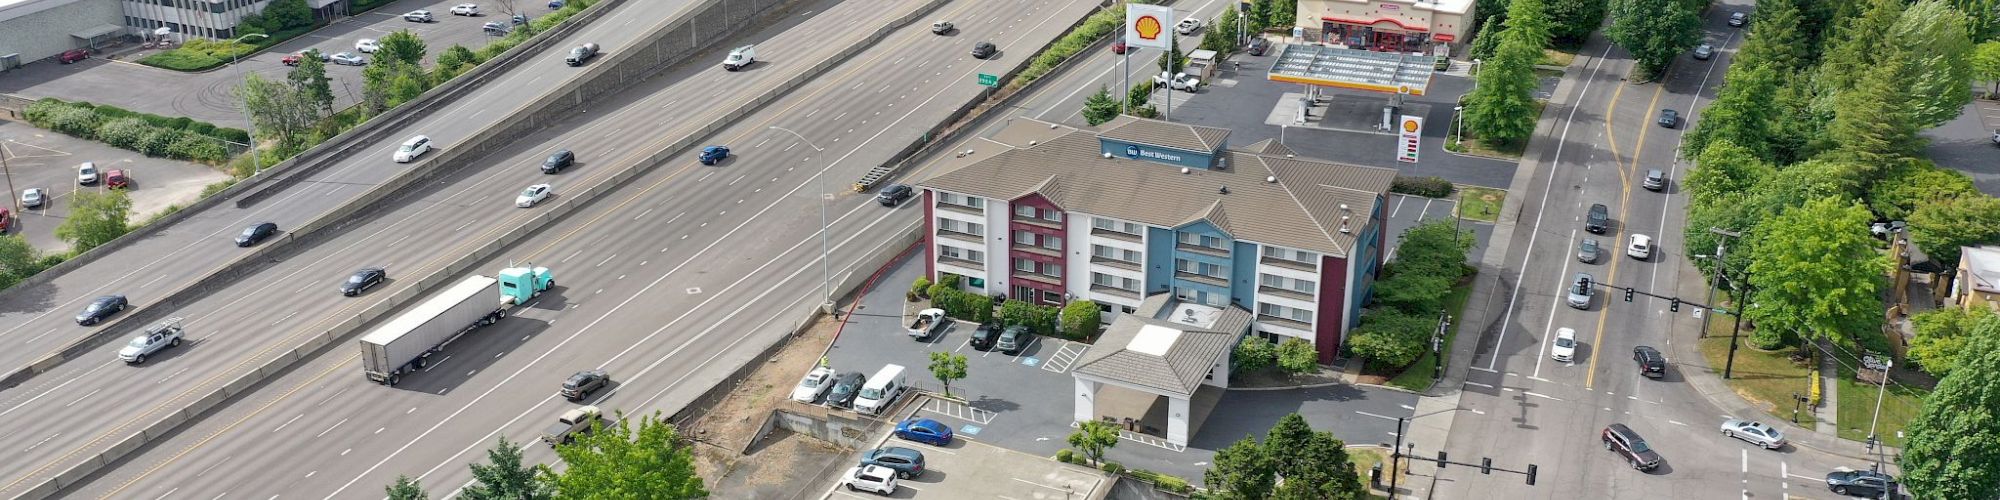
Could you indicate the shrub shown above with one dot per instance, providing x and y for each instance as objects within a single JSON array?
[
  {"x": 921, "y": 287},
  {"x": 1254, "y": 354},
  {"x": 1065, "y": 455},
  {"x": 181, "y": 61},
  {"x": 1172, "y": 483},
  {"x": 1296, "y": 355},
  {"x": 217, "y": 187},
  {"x": 1113, "y": 467},
  {"x": 1102, "y": 23},
  {"x": 1433, "y": 187},
  {"x": 123, "y": 133},
  {"x": 73, "y": 121},
  {"x": 1080, "y": 319},
  {"x": 156, "y": 141}
]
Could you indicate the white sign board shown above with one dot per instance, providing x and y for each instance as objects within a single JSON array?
[
  {"x": 1410, "y": 136},
  {"x": 1148, "y": 25}
]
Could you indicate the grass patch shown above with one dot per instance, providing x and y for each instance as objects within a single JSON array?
[
  {"x": 1474, "y": 146},
  {"x": 1419, "y": 375},
  {"x": 1365, "y": 459},
  {"x": 1480, "y": 203},
  {"x": 1766, "y": 379},
  {"x": 1857, "y": 406},
  {"x": 1556, "y": 57}
]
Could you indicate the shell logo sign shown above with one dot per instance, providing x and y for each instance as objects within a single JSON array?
[
  {"x": 1146, "y": 25},
  {"x": 1411, "y": 139}
]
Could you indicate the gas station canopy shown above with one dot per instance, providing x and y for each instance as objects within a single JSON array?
[{"x": 1391, "y": 72}]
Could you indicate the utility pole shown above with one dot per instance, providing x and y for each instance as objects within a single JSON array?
[
  {"x": 1874, "y": 443},
  {"x": 1396, "y": 457},
  {"x": 1728, "y": 366},
  {"x": 826, "y": 288}
]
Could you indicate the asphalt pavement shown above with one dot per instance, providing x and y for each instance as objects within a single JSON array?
[
  {"x": 38, "y": 158},
  {"x": 208, "y": 95},
  {"x": 669, "y": 287}
]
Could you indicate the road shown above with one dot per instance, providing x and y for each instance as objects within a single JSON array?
[
  {"x": 725, "y": 264},
  {"x": 1524, "y": 408}
]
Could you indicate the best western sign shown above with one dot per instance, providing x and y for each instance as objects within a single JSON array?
[{"x": 1139, "y": 152}]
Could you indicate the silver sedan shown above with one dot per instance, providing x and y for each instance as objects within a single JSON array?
[{"x": 1754, "y": 433}]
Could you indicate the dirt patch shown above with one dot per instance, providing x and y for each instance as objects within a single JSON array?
[
  {"x": 1276, "y": 378},
  {"x": 785, "y": 463}
]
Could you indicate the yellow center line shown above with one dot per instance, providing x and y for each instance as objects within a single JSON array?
[{"x": 1624, "y": 202}]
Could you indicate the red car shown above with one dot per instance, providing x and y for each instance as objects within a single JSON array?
[
  {"x": 1118, "y": 48},
  {"x": 73, "y": 55},
  {"x": 6, "y": 220},
  {"x": 293, "y": 59},
  {"x": 117, "y": 179}
]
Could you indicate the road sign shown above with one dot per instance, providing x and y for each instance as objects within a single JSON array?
[{"x": 989, "y": 80}]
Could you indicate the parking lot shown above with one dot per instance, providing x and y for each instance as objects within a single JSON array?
[
  {"x": 39, "y": 158},
  {"x": 207, "y": 96},
  {"x": 971, "y": 469},
  {"x": 1966, "y": 144}
]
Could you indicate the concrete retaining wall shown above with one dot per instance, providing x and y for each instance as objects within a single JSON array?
[
  {"x": 13, "y": 107},
  {"x": 330, "y": 224},
  {"x": 845, "y": 432}
]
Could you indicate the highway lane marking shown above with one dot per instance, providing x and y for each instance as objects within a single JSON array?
[
  {"x": 1383, "y": 417},
  {"x": 38, "y": 444},
  {"x": 710, "y": 173},
  {"x": 155, "y": 280},
  {"x": 1539, "y": 395},
  {"x": 295, "y": 418},
  {"x": 762, "y": 143},
  {"x": 85, "y": 396},
  {"x": 606, "y": 260},
  {"x": 336, "y": 425},
  {"x": 217, "y": 463},
  {"x": 1513, "y": 300},
  {"x": 322, "y": 402},
  {"x": 282, "y": 320},
  {"x": 170, "y": 377},
  {"x": 733, "y": 182},
  {"x": 580, "y": 251},
  {"x": 467, "y": 223},
  {"x": 1471, "y": 383},
  {"x": 31, "y": 340},
  {"x": 164, "y": 495},
  {"x": 427, "y": 369}
]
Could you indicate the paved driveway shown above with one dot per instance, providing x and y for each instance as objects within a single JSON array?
[
  {"x": 208, "y": 96},
  {"x": 39, "y": 158},
  {"x": 1966, "y": 144}
]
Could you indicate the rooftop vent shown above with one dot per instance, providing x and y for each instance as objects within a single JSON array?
[
  {"x": 1185, "y": 170},
  {"x": 1224, "y": 190},
  {"x": 1271, "y": 179},
  {"x": 1222, "y": 163},
  {"x": 1107, "y": 155},
  {"x": 1032, "y": 143},
  {"x": 1344, "y": 229},
  {"x": 1343, "y": 208}
]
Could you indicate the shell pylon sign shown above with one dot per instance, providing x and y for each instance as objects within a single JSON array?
[{"x": 1148, "y": 25}]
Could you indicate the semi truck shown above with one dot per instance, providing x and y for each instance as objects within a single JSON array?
[
  {"x": 928, "y": 321},
  {"x": 406, "y": 343}
]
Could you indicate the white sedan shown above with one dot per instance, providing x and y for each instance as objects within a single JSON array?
[
  {"x": 465, "y": 9},
  {"x": 1565, "y": 346},
  {"x": 532, "y": 195},
  {"x": 367, "y": 45},
  {"x": 814, "y": 385},
  {"x": 34, "y": 197},
  {"x": 1770, "y": 438}
]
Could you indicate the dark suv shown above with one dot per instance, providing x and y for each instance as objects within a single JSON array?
[
  {"x": 1628, "y": 444},
  {"x": 558, "y": 161},
  {"x": 982, "y": 338},
  {"x": 1597, "y": 219},
  {"x": 102, "y": 307},
  {"x": 894, "y": 195},
  {"x": 1014, "y": 339},
  {"x": 583, "y": 383},
  {"x": 908, "y": 463},
  {"x": 1651, "y": 363}
]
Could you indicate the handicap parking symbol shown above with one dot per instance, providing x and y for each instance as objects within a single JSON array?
[
  {"x": 969, "y": 429},
  {"x": 1031, "y": 361}
]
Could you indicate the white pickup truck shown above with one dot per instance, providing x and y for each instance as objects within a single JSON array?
[
  {"x": 157, "y": 338},
  {"x": 929, "y": 321}
]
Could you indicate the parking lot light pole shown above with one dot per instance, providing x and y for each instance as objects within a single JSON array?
[
  {"x": 826, "y": 288},
  {"x": 256, "y": 163}
]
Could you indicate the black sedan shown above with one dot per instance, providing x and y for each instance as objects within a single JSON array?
[
  {"x": 1860, "y": 483},
  {"x": 984, "y": 50},
  {"x": 253, "y": 234},
  {"x": 894, "y": 195},
  {"x": 102, "y": 307},
  {"x": 363, "y": 280},
  {"x": 1670, "y": 118},
  {"x": 982, "y": 338},
  {"x": 845, "y": 387}
]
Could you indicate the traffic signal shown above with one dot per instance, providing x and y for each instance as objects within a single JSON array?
[
  {"x": 1531, "y": 474},
  {"x": 1441, "y": 461},
  {"x": 1674, "y": 305},
  {"x": 1628, "y": 295},
  {"x": 1584, "y": 282},
  {"x": 1486, "y": 465}
]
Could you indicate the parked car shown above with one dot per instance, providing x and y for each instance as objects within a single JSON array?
[
  {"x": 1588, "y": 251},
  {"x": 581, "y": 384},
  {"x": 1580, "y": 291},
  {"x": 984, "y": 336},
  {"x": 294, "y": 58},
  {"x": 73, "y": 55},
  {"x": 713, "y": 154},
  {"x": 942, "y": 27},
  {"x": 1258, "y": 46},
  {"x": 1738, "y": 19},
  {"x": 1179, "y": 81},
  {"x": 1764, "y": 436},
  {"x": 1564, "y": 348},
  {"x": 532, "y": 195},
  {"x": 814, "y": 385},
  {"x": 465, "y": 9},
  {"x": 419, "y": 16},
  {"x": 1704, "y": 51},
  {"x": 872, "y": 478},
  {"x": 256, "y": 233},
  {"x": 907, "y": 463},
  {"x": 1013, "y": 339},
  {"x": 100, "y": 308},
  {"x": 86, "y": 174},
  {"x": 581, "y": 54},
  {"x": 363, "y": 280},
  {"x": 34, "y": 198},
  {"x": 347, "y": 59},
  {"x": 1860, "y": 483},
  {"x": 1651, "y": 363},
  {"x": 558, "y": 161},
  {"x": 1640, "y": 247},
  {"x": 894, "y": 194},
  {"x": 845, "y": 387},
  {"x": 1627, "y": 444},
  {"x": 984, "y": 50},
  {"x": 495, "y": 28},
  {"x": 6, "y": 219},
  {"x": 1187, "y": 26},
  {"x": 1656, "y": 180},
  {"x": 924, "y": 430},
  {"x": 1597, "y": 219},
  {"x": 116, "y": 179},
  {"x": 1670, "y": 118},
  {"x": 367, "y": 45},
  {"x": 412, "y": 148},
  {"x": 555, "y": 4}
]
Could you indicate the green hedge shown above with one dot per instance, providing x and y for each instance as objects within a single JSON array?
[
  {"x": 153, "y": 135},
  {"x": 1434, "y": 187},
  {"x": 1102, "y": 23}
]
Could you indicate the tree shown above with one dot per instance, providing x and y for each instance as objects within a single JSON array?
[
  {"x": 1322, "y": 470},
  {"x": 1654, "y": 31},
  {"x": 1241, "y": 471},
  {"x": 401, "y": 46},
  {"x": 1938, "y": 78},
  {"x": 1100, "y": 107},
  {"x": 1253, "y": 354},
  {"x": 1433, "y": 248},
  {"x": 1950, "y": 452},
  {"x": 1742, "y": 113},
  {"x": 1982, "y": 18},
  {"x": 1080, "y": 319},
  {"x": 1985, "y": 62},
  {"x": 1529, "y": 21},
  {"x": 18, "y": 260},
  {"x": 1856, "y": 46},
  {"x": 311, "y": 82},
  {"x": 455, "y": 60},
  {"x": 283, "y": 15},
  {"x": 1574, "y": 20},
  {"x": 947, "y": 367},
  {"x": 408, "y": 489},
  {"x": 1941, "y": 226},
  {"x": 1817, "y": 274},
  {"x": 1942, "y": 335},
  {"x": 1092, "y": 438},
  {"x": 1501, "y": 107},
  {"x": 504, "y": 477},
  {"x": 1412, "y": 291},
  {"x": 1910, "y": 184},
  {"x": 1872, "y": 122},
  {"x": 1392, "y": 338},
  {"x": 1172, "y": 60},
  {"x": 278, "y": 109},
  {"x": 619, "y": 463},
  {"x": 410, "y": 81},
  {"x": 95, "y": 219},
  {"x": 1722, "y": 168},
  {"x": 375, "y": 80},
  {"x": 1295, "y": 355},
  {"x": 1777, "y": 40}
]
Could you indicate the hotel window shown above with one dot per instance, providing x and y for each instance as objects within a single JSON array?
[
  {"x": 1052, "y": 216},
  {"x": 1025, "y": 211},
  {"x": 961, "y": 200},
  {"x": 1291, "y": 313},
  {"x": 1118, "y": 282},
  {"x": 1118, "y": 254},
  {"x": 1300, "y": 256},
  {"x": 1024, "y": 265},
  {"x": 1052, "y": 243},
  {"x": 1048, "y": 296},
  {"x": 958, "y": 226},
  {"x": 1115, "y": 226},
  {"x": 953, "y": 252},
  {"x": 1281, "y": 282},
  {"x": 1201, "y": 268},
  {"x": 1024, "y": 238}
]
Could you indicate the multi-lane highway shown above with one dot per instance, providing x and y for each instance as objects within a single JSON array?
[
  {"x": 669, "y": 287},
  {"x": 1522, "y": 407}
]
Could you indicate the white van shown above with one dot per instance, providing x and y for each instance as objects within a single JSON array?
[{"x": 882, "y": 389}]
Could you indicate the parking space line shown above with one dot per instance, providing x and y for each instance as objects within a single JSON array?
[
  {"x": 1060, "y": 361},
  {"x": 958, "y": 410},
  {"x": 1143, "y": 439}
]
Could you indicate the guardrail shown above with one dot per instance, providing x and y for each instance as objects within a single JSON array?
[{"x": 319, "y": 228}]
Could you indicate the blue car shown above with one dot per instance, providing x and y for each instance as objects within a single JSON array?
[
  {"x": 714, "y": 154},
  {"x": 555, "y": 4},
  {"x": 924, "y": 430}
]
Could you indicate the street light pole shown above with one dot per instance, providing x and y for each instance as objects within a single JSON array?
[
  {"x": 826, "y": 287},
  {"x": 1875, "y": 443},
  {"x": 256, "y": 160}
]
